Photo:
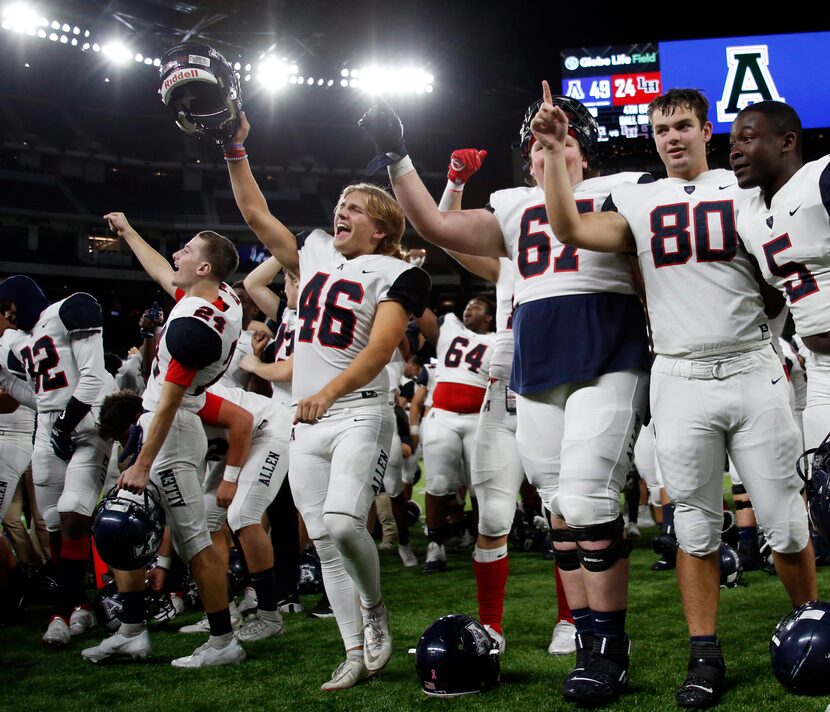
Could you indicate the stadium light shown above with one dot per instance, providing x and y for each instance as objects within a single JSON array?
[
  {"x": 390, "y": 80},
  {"x": 20, "y": 17},
  {"x": 272, "y": 73},
  {"x": 117, "y": 51}
]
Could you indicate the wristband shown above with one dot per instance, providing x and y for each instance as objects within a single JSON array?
[
  {"x": 73, "y": 414},
  {"x": 163, "y": 562},
  {"x": 449, "y": 193},
  {"x": 231, "y": 474},
  {"x": 400, "y": 168},
  {"x": 414, "y": 430},
  {"x": 235, "y": 152}
]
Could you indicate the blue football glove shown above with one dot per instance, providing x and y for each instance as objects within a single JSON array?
[
  {"x": 61, "y": 441},
  {"x": 133, "y": 445},
  {"x": 384, "y": 127}
]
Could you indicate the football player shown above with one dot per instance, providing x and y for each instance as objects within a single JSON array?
[
  {"x": 193, "y": 352},
  {"x": 355, "y": 299},
  {"x": 61, "y": 352},
  {"x": 717, "y": 386},
  {"x": 579, "y": 372},
  {"x": 786, "y": 227}
]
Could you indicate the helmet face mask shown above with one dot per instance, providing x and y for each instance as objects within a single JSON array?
[
  {"x": 456, "y": 656},
  {"x": 817, "y": 486},
  {"x": 201, "y": 89},
  {"x": 128, "y": 528},
  {"x": 582, "y": 126}
]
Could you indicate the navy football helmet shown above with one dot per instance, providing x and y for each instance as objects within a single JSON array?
[
  {"x": 817, "y": 485},
  {"x": 311, "y": 574},
  {"x": 800, "y": 648},
  {"x": 202, "y": 90},
  {"x": 731, "y": 569},
  {"x": 128, "y": 528},
  {"x": 107, "y": 607},
  {"x": 582, "y": 126},
  {"x": 457, "y": 656}
]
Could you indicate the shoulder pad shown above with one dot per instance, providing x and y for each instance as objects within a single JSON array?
[
  {"x": 192, "y": 342},
  {"x": 81, "y": 312}
]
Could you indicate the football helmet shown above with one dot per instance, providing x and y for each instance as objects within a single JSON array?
[
  {"x": 817, "y": 486},
  {"x": 800, "y": 648},
  {"x": 202, "y": 90},
  {"x": 582, "y": 126},
  {"x": 731, "y": 569},
  {"x": 311, "y": 574},
  {"x": 128, "y": 528},
  {"x": 107, "y": 607},
  {"x": 457, "y": 656},
  {"x": 413, "y": 512}
]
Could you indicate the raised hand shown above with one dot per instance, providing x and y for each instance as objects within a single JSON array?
[
  {"x": 464, "y": 162},
  {"x": 384, "y": 127},
  {"x": 550, "y": 125}
]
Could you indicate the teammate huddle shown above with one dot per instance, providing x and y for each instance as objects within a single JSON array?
[{"x": 558, "y": 394}]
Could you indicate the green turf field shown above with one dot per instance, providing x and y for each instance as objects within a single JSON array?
[{"x": 285, "y": 673}]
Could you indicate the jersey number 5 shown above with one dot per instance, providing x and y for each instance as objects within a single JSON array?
[
  {"x": 337, "y": 325},
  {"x": 796, "y": 288}
]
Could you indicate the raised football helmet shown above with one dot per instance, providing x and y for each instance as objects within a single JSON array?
[
  {"x": 202, "y": 90},
  {"x": 128, "y": 528},
  {"x": 817, "y": 486},
  {"x": 457, "y": 656},
  {"x": 731, "y": 569},
  {"x": 107, "y": 607},
  {"x": 800, "y": 648},
  {"x": 582, "y": 126}
]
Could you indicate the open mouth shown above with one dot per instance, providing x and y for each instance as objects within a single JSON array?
[{"x": 342, "y": 230}]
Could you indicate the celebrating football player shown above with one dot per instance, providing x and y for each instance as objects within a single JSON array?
[{"x": 717, "y": 385}]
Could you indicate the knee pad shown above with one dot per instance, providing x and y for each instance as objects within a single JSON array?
[
  {"x": 215, "y": 516},
  {"x": 343, "y": 528},
  {"x": 495, "y": 515},
  {"x": 602, "y": 559},
  {"x": 440, "y": 485},
  {"x": 581, "y": 509},
  {"x": 697, "y": 531},
  {"x": 567, "y": 560},
  {"x": 71, "y": 502}
]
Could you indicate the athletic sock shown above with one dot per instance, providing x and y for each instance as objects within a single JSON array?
[
  {"x": 563, "y": 610},
  {"x": 266, "y": 589},
  {"x": 491, "y": 568}
]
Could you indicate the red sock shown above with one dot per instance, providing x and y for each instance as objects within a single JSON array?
[
  {"x": 562, "y": 607},
  {"x": 491, "y": 579}
]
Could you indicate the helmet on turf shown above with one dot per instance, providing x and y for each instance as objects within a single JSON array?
[
  {"x": 128, "y": 528},
  {"x": 457, "y": 656},
  {"x": 817, "y": 486},
  {"x": 107, "y": 607},
  {"x": 201, "y": 89},
  {"x": 800, "y": 648},
  {"x": 582, "y": 126},
  {"x": 731, "y": 569}
]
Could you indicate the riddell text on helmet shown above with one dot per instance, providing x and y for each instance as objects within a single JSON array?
[{"x": 187, "y": 74}]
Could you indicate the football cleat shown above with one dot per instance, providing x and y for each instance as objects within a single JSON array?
[
  {"x": 436, "y": 561},
  {"x": 290, "y": 605},
  {"x": 249, "y": 602},
  {"x": 407, "y": 556},
  {"x": 202, "y": 625},
  {"x": 57, "y": 634},
  {"x": 208, "y": 656},
  {"x": 322, "y": 608},
  {"x": 377, "y": 640},
  {"x": 258, "y": 628},
  {"x": 703, "y": 685},
  {"x": 602, "y": 680},
  {"x": 350, "y": 672},
  {"x": 119, "y": 645},
  {"x": 498, "y": 638},
  {"x": 563, "y": 640},
  {"x": 81, "y": 621}
]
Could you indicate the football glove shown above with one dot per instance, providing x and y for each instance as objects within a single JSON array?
[
  {"x": 464, "y": 162},
  {"x": 132, "y": 447},
  {"x": 384, "y": 127},
  {"x": 61, "y": 441}
]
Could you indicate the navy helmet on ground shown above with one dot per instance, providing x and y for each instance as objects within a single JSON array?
[
  {"x": 800, "y": 649},
  {"x": 731, "y": 569},
  {"x": 457, "y": 656}
]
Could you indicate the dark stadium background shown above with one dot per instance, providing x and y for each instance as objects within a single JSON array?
[{"x": 74, "y": 145}]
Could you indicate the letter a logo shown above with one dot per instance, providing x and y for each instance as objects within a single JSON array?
[{"x": 748, "y": 81}]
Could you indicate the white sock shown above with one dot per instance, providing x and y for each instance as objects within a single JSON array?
[{"x": 485, "y": 556}]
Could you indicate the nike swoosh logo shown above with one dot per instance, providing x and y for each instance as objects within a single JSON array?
[
  {"x": 773, "y": 382},
  {"x": 724, "y": 187},
  {"x": 701, "y": 687},
  {"x": 368, "y": 271},
  {"x": 360, "y": 420},
  {"x": 793, "y": 212}
]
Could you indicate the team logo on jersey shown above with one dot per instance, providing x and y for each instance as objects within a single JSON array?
[
  {"x": 747, "y": 81},
  {"x": 769, "y": 222},
  {"x": 689, "y": 189}
]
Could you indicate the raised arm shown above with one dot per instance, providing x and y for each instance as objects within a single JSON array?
[
  {"x": 601, "y": 232},
  {"x": 474, "y": 232},
  {"x": 251, "y": 202},
  {"x": 151, "y": 260},
  {"x": 256, "y": 284}
]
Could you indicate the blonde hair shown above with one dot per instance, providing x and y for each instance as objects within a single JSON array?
[{"x": 385, "y": 212}]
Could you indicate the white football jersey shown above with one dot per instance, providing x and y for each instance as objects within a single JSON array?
[
  {"x": 22, "y": 420},
  {"x": 283, "y": 348},
  {"x": 544, "y": 266},
  {"x": 336, "y": 310},
  {"x": 198, "y": 335},
  {"x": 64, "y": 354},
  {"x": 502, "y": 359},
  {"x": 235, "y": 377},
  {"x": 261, "y": 407},
  {"x": 702, "y": 295},
  {"x": 463, "y": 356},
  {"x": 791, "y": 241}
]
